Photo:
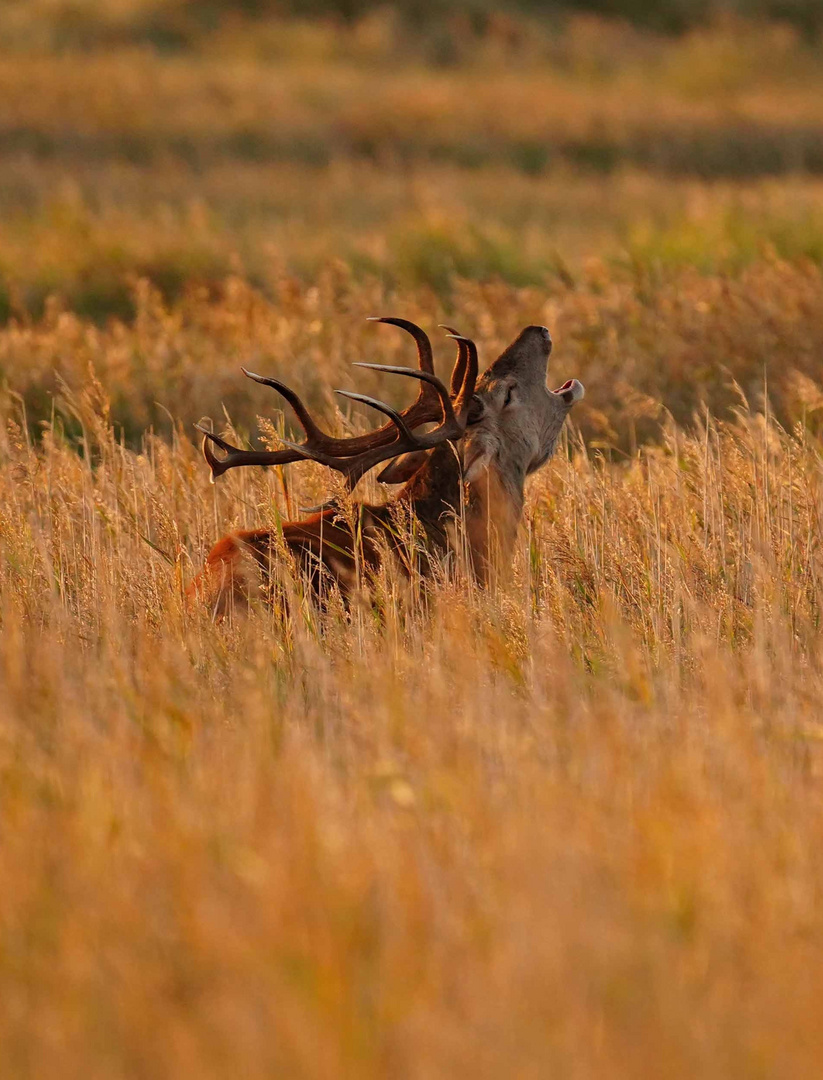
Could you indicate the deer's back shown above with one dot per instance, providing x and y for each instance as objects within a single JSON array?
[{"x": 240, "y": 565}]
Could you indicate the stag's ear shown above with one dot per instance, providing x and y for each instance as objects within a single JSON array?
[{"x": 403, "y": 468}]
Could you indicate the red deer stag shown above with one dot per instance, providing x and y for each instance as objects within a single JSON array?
[{"x": 489, "y": 435}]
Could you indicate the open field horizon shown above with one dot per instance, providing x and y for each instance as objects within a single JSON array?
[
  {"x": 568, "y": 825},
  {"x": 280, "y": 147}
]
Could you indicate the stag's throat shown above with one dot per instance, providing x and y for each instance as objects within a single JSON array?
[{"x": 493, "y": 514}]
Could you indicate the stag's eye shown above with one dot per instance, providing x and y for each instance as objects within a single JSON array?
[
  {"x": 509, "y": 395},
  {"x": 476, "y": 410}
]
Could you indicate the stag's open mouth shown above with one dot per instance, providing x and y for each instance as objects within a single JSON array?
[{"x": 571, "y": 391}]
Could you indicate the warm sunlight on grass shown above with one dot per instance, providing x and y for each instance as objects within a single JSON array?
[
  {"x": 571, "y": 824},
  {"x": 570, "y": 827}
]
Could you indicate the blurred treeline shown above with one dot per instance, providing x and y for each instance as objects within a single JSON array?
[
  {"x": 667, "y": 15},
  {"x": 181, "y": 24}
]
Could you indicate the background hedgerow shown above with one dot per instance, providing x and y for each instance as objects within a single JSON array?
[{"x": 566, "y": 827}]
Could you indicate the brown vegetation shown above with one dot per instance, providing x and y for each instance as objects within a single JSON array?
[{"x": 569, "y": 826}]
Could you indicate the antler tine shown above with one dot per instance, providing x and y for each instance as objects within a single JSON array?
[
  {"x": 450, "y": 428},
  {"x": 423, "y": 376},
  {"x": 235, "y": 456},
  {"x": 425, "y": 355},
  {"x": 425, "y": 400},
  {"x": 466, "y": 392},
  {"x": 459, "y": 369},
  {"x": 300, "y": 411},
  {"x": 382, "y": 407},
  {"x": 214, "y": 463}
]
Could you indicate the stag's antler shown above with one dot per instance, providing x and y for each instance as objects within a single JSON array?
[{"x": 353, "y": 457}]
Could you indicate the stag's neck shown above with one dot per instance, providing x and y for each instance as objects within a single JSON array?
[
  {"x": 491, "y": 509},
  {"x": 493, "y": 512},
  {"x": 435, "y": 492}
]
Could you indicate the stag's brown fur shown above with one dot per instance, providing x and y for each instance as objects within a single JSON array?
[{"x": 323, "y": 544}]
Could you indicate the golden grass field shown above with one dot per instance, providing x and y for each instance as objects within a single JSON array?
[{"x": 567, "y": 828}]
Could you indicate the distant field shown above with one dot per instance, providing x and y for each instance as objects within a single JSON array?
[
  {"x": 570, "y": 827},
  {"x": 275, "y": 148}
]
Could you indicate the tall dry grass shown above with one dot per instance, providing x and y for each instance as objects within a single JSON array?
[{"x": 569, "y": 826}]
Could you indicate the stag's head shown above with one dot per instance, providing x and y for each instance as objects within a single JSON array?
[
  {"x": 507, "y": 422},
  {"x": 515, "y": 420}
]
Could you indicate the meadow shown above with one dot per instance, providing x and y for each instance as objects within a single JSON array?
[{"x": 569, "y": 826}]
